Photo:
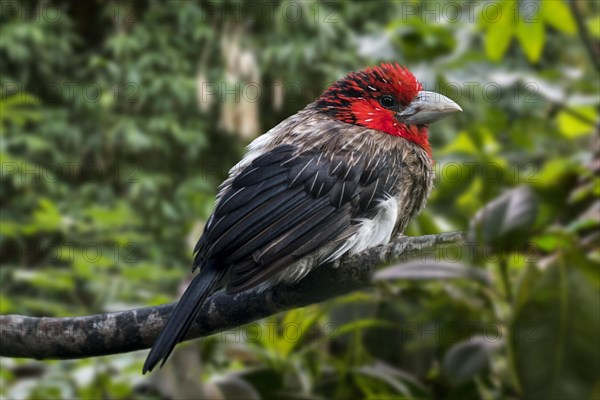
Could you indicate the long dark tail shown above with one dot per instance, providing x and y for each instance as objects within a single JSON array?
[{"x": 184, "y": 314}]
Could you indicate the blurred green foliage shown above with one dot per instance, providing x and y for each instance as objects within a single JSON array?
[{"x": 112, "y": 149}]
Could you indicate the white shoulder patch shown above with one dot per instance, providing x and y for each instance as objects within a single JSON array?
[
  {"x": 376, "y": 231},
  {"x": 371, "y": 232}
]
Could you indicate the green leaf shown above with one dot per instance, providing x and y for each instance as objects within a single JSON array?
[
  {"x": 573, "y": 126},
  {"x": 466, "y": 359},
  {"x": 462, "y": 143},
  {"x": 6, "y": 306},
  {"x": 360, "y": 325},
  {"x": 550, "y": 241},
  {"x": 416, "y": 270},
  {"x": 46, "y": 218},
  {"x": 593, "y": 24},
  {"x": 553, "y": 171},
  {"x": 528, "y": 277},
  {"x": 497, "y": 40},
  {"x": 500, "y": 29},
  {"x": 396, "y": 378},
  {"x": 10, "y": 228},
  {"x": 557, "y": 14},
  {"x": 503, "y": 218},
  {"x": 18, "y": 108},
  {"x": 532, "y": 36},
  {"x": 554, "y": 335}
]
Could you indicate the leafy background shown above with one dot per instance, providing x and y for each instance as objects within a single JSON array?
[{"x": 119, "y": 120}]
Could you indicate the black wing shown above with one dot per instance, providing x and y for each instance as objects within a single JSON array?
[{"x": 285, "y": 206}]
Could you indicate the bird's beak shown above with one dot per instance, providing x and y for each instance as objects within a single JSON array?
[{"x": 426, "y": 108}]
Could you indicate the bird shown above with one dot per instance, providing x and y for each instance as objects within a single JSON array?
[{"x": 346, "y": 173}]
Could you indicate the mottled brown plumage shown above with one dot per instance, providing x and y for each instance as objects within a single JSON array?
[
  {"x": 342, "y": 175},
  {"x": 393, "y": 167}
]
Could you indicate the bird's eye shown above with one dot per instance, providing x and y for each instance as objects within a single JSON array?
[{"x": 387, "y": 101}]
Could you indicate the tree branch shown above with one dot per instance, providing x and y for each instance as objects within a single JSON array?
[
  {"x": 125, "y": 331},
  {"x": 591, "y": 47}
]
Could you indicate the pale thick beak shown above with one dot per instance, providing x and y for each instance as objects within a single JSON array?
[{"x": 426, "y": 108}]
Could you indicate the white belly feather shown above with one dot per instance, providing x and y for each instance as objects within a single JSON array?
[{"x": 376, "y": 231}]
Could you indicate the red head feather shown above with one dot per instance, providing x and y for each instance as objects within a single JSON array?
[{"x": 357, "y": 99}]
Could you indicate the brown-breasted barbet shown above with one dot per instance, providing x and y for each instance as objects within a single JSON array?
[{"x": 345, "y": 174}]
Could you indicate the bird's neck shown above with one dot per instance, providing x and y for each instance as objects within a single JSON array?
[
  {"x": 383, "y": 122},
  {"x": 418, "y": 135}
]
